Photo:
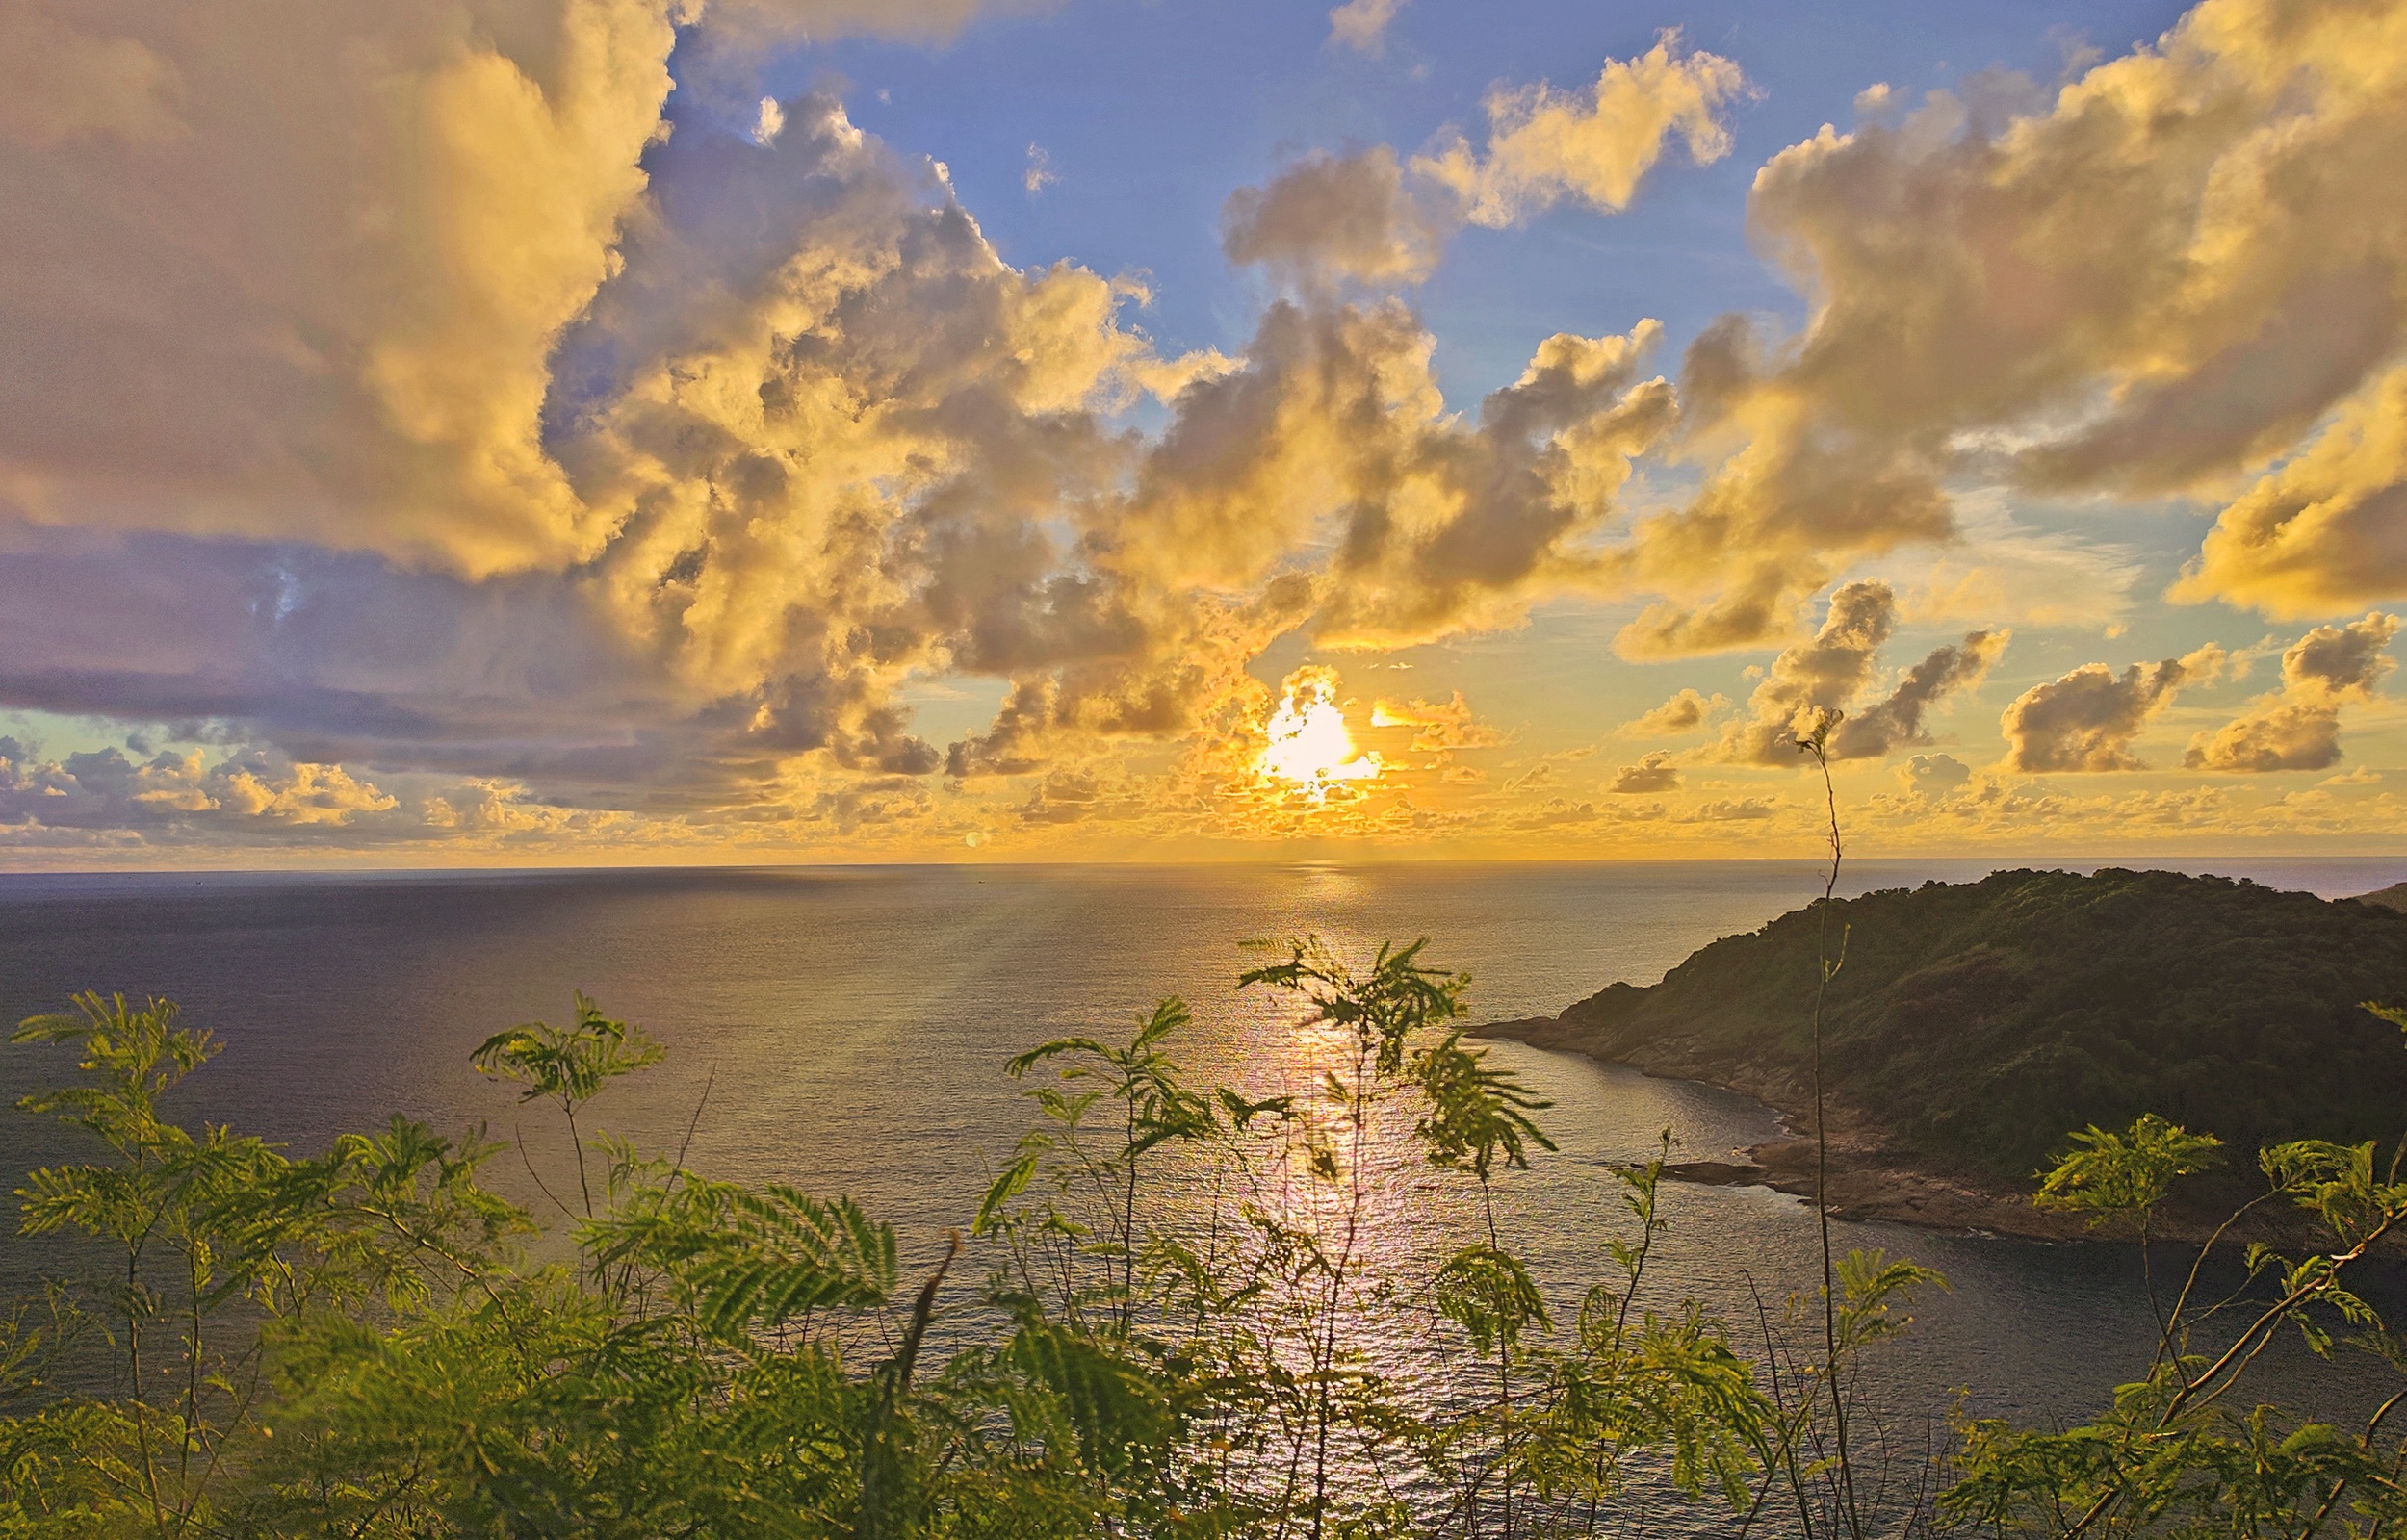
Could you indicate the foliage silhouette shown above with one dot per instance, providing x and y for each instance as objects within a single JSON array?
[{"x": 1164, "y": 1322}]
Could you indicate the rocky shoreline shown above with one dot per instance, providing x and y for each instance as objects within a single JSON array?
[
  {"x": 1976, "y": 1025},
  {"x": 1870, "y": 1178},
  {"x": 1869, "y": 1185}
]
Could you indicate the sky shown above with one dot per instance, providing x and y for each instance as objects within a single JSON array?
[{"x": 616, "y": 431}]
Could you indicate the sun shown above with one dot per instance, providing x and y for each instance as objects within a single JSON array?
[{"x": 1308, "y": 742}]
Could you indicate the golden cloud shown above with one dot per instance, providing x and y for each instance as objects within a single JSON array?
[
  {"x": 1441, "y": 726},
  {"x": 2327, "y": 530},
  {"x": 1360, "y": 217},
  {"x": 676, "y": 459},
  {"x": 2162, "y": 273},
  {"x": 1685, "y": 712},
  {"x": 1595, "y": 145},
  {"x": 2085, "y": 720},
  {"x": 2298, "y": 726},
  {"x": 1653, "y": 773},
  {"x": 1819, "y": 681},
  {"x": 1348, "y": 215}
]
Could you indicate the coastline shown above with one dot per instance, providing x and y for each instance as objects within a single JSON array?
[{"x": 1871, "y": 1178}]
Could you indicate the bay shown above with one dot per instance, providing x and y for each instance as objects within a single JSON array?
[{"x": 844, "y": 1029}]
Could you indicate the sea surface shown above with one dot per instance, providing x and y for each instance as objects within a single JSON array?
[{"x": 844, "y": 1029}]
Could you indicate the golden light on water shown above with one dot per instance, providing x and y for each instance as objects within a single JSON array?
[{"x": 1309, "y": 745}]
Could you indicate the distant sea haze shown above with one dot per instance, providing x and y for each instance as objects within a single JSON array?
[{"x": 844, "y": 1029}]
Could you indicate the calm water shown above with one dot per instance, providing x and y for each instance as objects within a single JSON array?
[{"x": 850, "y": 1025}]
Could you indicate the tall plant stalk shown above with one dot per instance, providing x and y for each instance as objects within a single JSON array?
[
  {"x": 1827, "y": 967},
  {"x": 1324, "y": 1367}
]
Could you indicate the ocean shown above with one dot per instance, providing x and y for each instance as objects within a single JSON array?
[{"x": 844, "y": 1030}]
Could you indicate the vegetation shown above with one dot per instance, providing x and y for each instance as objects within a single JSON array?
[
  {"x": 2394, "y": 896},
  {"x": 1980, "y": 1021},
  {"x": 366, "y": 1343},
  {"x": 1178, "y": 1312}
]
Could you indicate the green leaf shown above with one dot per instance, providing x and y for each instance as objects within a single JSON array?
[
  {"x": 1009, "y": 1184},
  {"x": 2107, "y": 1175}
]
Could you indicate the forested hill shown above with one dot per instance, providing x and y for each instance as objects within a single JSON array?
[{"x": 1982, "y": 1021}]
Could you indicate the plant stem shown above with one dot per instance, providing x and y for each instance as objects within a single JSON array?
[
  {"x": 1336, "y": 1285},
  {"x": 1818, "y": 746},
  {"x": 1504, "y": 1367},
  {"x": 1128, "y": 1228}
]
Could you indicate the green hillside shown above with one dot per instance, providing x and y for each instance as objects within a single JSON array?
[
  {"x": 1982, "y": 1021},
  {"x": 2394, "y": 896}
]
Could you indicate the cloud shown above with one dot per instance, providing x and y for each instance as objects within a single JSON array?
[
  {"x": 815, "y": 299},
  {"x": 59, "y": 84},
  {"x": 2298, "y": 726},
  {"x": 1349, "y": 216},
  {"x": 219, "y": 321},
  {"x": 2011, "y": 814},
  {"x": 2085, "y": 720},
  {"x": 1933, "y": 777},
  {"x": 1307, "y": 737},
  {"x": 1098, "y": 795},
  {"x": 949, "y": 406},
  {"x": 1460, "y": 529},
  {"x": 1591, "y": 146},
  {"x": 1733, "y": 810},
  {"x": 771, "y": 123},
  {"x": 1897, "y": 720},
  {"x": 2157, "y": 276},
  {"x": 1184, "y": 676},
  {"x": 311, "y": 794},
  {"x": 472, "y": 452},
  {"x": 1543, "y": 772},
  {"x": 1998, "y": 570},
  {"x": 2277, "y": 735},
  {"x": 721, "y": 59},
  {"x": 1040, "y": 174},
  {"x": 1441, "y": 726},
  {"x": 1333, "y": 430},
  {"x": 1367, "y": 217},
  {"x": 1684, "y": 712},
  {"x": 1814, "y": 681},
  {"x": 340, "y": 334},
  {"x": 1557, "y": 812},
  {"x": 2327, "y": 530},
  {"x": 244, "y": 797},
  {"x": 555, "y": 439},
  {"x": 1362, "y": 24},
  {"x": 1653, "y": 773},
  {"x": 2340, "y": 663}
]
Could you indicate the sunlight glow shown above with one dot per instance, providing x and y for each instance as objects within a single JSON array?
[{"x": 1308, "y": 742}]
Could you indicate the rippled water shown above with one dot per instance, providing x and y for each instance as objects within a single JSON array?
[{"x": 850, "y": 1025}]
